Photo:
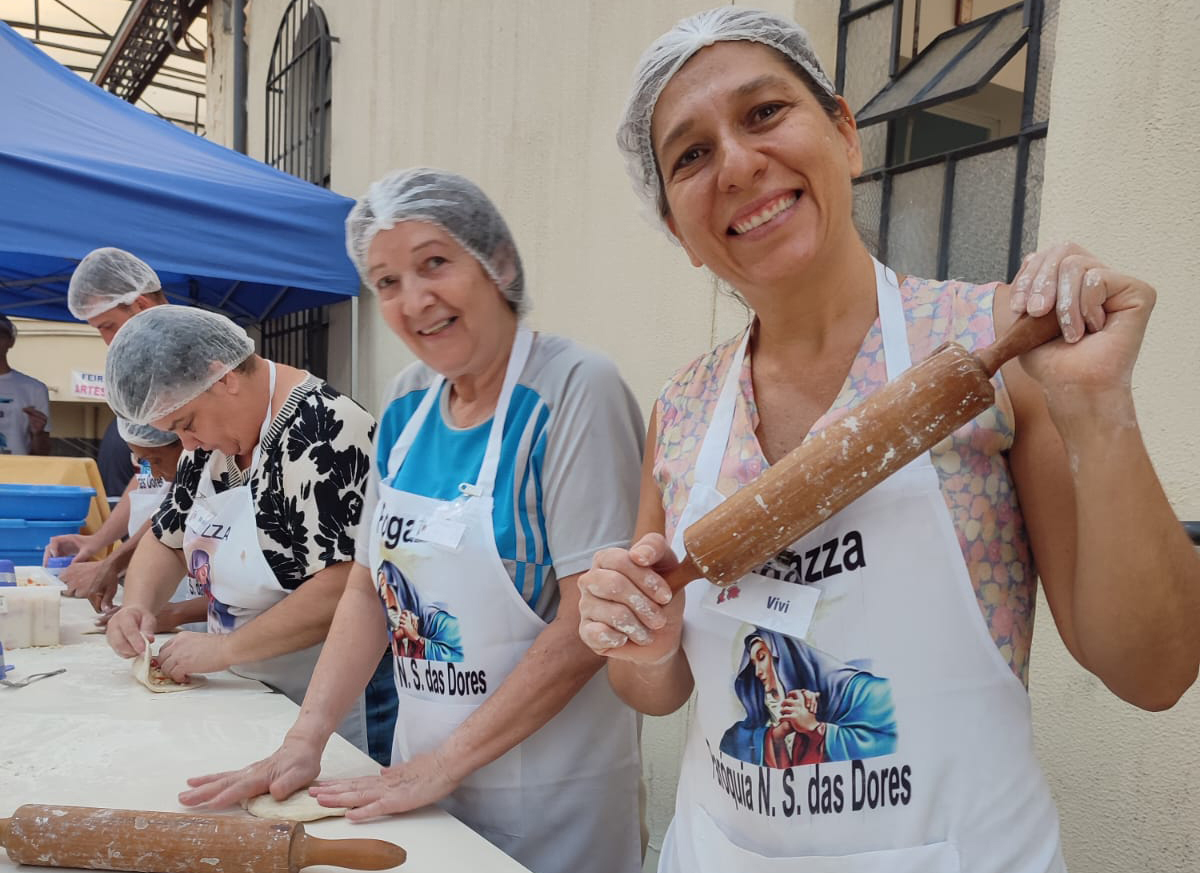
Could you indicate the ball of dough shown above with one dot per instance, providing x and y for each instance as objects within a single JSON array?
[{"x": 301, "y": 806}]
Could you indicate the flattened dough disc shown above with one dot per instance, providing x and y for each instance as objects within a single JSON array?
[
  {"x": 154, "y": 678},
  {"x": 301, "y": 806}
]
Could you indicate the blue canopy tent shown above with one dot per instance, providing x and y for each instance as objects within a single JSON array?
[{"x": 81, "y": 169}]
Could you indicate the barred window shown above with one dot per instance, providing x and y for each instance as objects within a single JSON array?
[
  {"x": 952, "y": 102},
  {"x": 299, "y": 98}
]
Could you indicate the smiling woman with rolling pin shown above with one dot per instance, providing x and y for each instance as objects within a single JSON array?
[{"x": 861, "y": 694}]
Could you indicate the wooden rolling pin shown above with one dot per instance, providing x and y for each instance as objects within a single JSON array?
[
  {"x": 831, "y": 469},
  {"x": 172, "y": 842}
]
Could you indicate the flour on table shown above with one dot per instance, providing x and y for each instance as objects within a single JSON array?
[{"x": 301, "y": 806}]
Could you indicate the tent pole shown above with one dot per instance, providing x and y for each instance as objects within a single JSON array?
[{"x": 239, "y": 76}]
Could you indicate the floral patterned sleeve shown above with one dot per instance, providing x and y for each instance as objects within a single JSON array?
[{"x": 308, "y": 517}]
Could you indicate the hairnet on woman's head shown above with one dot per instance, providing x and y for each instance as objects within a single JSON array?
[
  {"x": 454, "y": 204},
  {"x": 667, "y": 55},
  {"x": 144, "y": 435},
  {"x": 167, "y": 356},
  {"x": 106, "y": 278}
]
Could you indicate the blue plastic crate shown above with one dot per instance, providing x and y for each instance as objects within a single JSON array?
[
  {"x": 26, "y": 536},
  {"x": 22, "y": 557},
  {"x": 45, "y": 502}
]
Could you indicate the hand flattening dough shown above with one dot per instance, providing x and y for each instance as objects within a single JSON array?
[
  {"x": 154, "y": 678},
  {"x": 301, "y": 806}
]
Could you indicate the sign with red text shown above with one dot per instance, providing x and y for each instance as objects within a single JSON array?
[{"x": 87, "y": 385}]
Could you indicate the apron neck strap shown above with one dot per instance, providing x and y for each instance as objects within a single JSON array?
[
  {"x": 486, "y": 481},
  {"x": 409, "y": 434},
  {"x": 892, "y": 326},
  {"x": 267, "y": 419},
  {"x": 517, "y": 357},
  {"x": 716, "y": 435}
]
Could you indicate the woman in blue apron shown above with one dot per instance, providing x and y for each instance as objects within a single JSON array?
[
  {"x": 267, "y": 498},
  {"x": 859, "y": 700},
  {"x": 504, "y": 459}
]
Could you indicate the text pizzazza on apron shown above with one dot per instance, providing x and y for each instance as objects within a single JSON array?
[
  {"x": 394, "y": 529},
  {"x": 834, "y": 556}
]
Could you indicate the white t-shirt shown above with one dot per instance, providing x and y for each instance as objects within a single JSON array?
[{"x": 16, "y": 392}]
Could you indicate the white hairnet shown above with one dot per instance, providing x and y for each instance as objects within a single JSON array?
[
  {"x": 144, "y": 435},
  {"x": 106, "y": 278},
  {"x": 454, "y": 204},
  {"x": 671, "y": 51},
  {"x": 167, "y": 356}
]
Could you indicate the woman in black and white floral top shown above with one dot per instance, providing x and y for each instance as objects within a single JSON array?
[
  {"x": 266, "y": 502},
  {"x": 307, "y": 491}
]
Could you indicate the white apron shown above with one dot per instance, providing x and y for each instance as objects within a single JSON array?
[
  {"x": 143, "y": 503},
  {"x": 921, "y": 756},
  {"x": 226, "y": 561},
  {"x": 566, "y": 799}
]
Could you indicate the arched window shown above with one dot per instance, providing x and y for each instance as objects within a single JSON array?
[
  {"x": 299, "y": 94},
  {"x": 299, "y": 97}
]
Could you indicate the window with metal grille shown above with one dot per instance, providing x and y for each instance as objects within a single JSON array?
[
  {"x": 299, "y": 96},
  {"x": 952, "y": 101}
]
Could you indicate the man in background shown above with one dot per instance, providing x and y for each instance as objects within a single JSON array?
[{"x": 24, "y": 404}]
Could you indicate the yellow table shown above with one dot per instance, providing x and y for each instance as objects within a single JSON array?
[{"x": 43, "y": 470}]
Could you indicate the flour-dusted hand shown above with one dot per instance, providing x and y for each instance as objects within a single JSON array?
[
  {"x": 127, "y": 630},
  {"x": 624, "y": 599},
  {"x": 187, "y": 653},
  {"x": 295, "y": 764},
  {"x": 416, "y": 783},
  {"x": 1103, "y": 314}
]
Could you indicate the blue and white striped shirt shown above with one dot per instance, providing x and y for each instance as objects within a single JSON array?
[{"x": 568, "y": 478}]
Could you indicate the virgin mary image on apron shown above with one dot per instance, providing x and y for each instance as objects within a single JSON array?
[{"x": 425, "y": 631}]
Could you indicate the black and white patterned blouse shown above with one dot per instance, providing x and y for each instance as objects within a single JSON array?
[{"x": 307, "y": 490}]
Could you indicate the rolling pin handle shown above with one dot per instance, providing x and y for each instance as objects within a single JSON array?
[
  {"x": 680, "y": 576},
  {"x": 1024, "y": 335},
  {"x": 357, "y": 854}
]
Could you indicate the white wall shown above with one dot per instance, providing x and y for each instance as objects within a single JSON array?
[
  {"x": 1122, "y": 178},
  {"x": 523, "y": 96}
]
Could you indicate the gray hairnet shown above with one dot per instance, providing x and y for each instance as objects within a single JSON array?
[
  {"x": 107, "y": 278},
  {"x": 145, "y": 435},
  {"x": 671, "y": 51},
  {"x": 454, "y": 204},
  {"x": 167, "y": 356}
]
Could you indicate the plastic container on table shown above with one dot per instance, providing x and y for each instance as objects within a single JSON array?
[
  {"x": 29, "y": 615},
  {"x": 23, "y": 541},
  {"x": 55, "y": 564},
  {"x": 45, "y": 502},
  {"x": 8, "y": 574},
  {"x": 22, "y": 557}
]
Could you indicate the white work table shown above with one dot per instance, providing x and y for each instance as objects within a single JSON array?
[{"x": 92, "y": 736}]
